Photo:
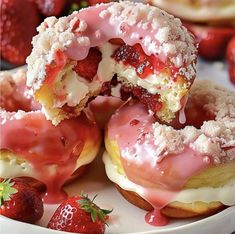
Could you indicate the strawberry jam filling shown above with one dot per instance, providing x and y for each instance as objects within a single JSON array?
[
  {"x": 151, "y": 101},
  {"x": 160, "y": 174},
  {"x": 52, "y": 151},
  {"x": 54, "y": 68},
  {"x": 144, "y": 64}
]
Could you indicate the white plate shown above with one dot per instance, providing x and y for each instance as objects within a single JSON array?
[{"x": 125, "y": 217}]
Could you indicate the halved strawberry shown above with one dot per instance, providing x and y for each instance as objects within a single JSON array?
[
  {"x": 87, "y": 68},
  {"x": 230, "y": 56},
  {"x": 20, "y": 201},
  {"x": 79, "y": 214}
]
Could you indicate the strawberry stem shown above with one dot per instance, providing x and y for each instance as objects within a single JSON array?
[{"x": 90, "y": 207}]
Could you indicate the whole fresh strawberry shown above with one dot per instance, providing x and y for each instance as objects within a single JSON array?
[
  {"x": 212, "y": 40},
  {"x": 79, "y": 214},
  {"x": 51, "y": 7},
  {"x": 20, "y": 201},
  {"x": 230, "y": 55},
  {"x": 18, "y": 23}
]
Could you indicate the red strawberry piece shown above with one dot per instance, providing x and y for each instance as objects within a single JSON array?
[
  {"x": 152, "y": 101},
  {"x": 230, "y": 55},
  {"x": 20, "y": 201},
  {"x": 18, "y": 23},
  {"x": 79, "y": 214},
  {"x": 51, "y": 7},
  {"x": 212, "y": 40},
  {"x": 87, "y": 68},
  {"x": 55, "y": 66},
  {"x": 135, "y": 56},
  {"x": 117, "y": 41}
]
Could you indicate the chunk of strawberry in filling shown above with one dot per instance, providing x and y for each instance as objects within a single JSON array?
[
  {"x": 87, "y": 68},
  {"x": 134, "y": 56},
  {"x": 53, "y": 69},
  {"x": 152, "y": 101}
]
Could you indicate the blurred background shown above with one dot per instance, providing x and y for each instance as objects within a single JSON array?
[{"x": 211, "y": 21}]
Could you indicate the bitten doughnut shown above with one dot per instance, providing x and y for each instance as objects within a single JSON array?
[
  {"x": 180, "y": 170},
  {"x": 30, "y": 146},
  {"x": 209, "y": 11},
  {"x": 148, "y": 50}
]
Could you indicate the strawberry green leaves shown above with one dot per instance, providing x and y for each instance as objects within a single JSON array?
[
  {"x": 90, "y": 207},
  {"x": 6, "y": 190}
]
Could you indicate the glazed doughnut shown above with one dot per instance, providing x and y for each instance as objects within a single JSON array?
[
  {"x": 206, "y": 11},
  {"x": 180, "y": 170},
  {"x": 30, "y": 146},
  {"x": 149, "y": 51}
]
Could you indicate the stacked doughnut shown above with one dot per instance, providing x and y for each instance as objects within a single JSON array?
[
  {"x": 209, "y": 11},
  {"x": 31, "y": 147},
  {"x": 171, "y": 168},
  {"x": 182, "y": 172},
  {"x": 148, "y": 50}
]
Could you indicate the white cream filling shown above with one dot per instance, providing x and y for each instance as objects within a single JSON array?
[
  {"x": 223, "y": 194},
  {"x": 12, "y": 168},
  {"x": 76, "y": 88}
]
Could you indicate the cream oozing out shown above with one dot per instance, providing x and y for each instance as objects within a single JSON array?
[{"x": 224, "y": 194}]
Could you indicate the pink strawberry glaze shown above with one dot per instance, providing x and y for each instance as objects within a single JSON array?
[
  {"x": 31, "y": 137},
  {"x": 164, "y": 176},
  {"x": 39, "y": 142},
  {"x": 105, "y": 29},
  {"x": 155, "y": 218}
]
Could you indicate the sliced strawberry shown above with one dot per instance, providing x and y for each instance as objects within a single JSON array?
[
  {"x": 79, "y": 214},
  {"x": 20, "y": 201},
  {"x": 16, "y": 30},
  {"x": 212, "y": 40},
  {"x": 51, "y": 7},
  {"x": 87, "y": 68},
  {"x": 230, "y": 56}
]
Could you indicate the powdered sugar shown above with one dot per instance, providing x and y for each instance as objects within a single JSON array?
[
  {"x": 215, "y": 138},
  {"x": 158, "y": 32},
  {"x": 13, "y": 92}
]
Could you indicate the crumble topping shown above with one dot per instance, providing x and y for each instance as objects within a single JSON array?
[
  {"x": 9, "y": 83},
  {"x": 215, "y": 138},
  {"x": 166, "y": 36},
  {"x": 158, "y": 32}
]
